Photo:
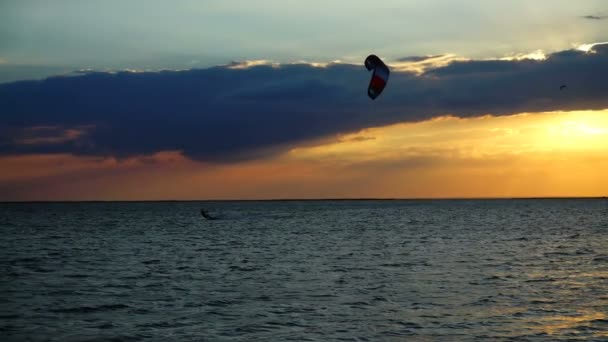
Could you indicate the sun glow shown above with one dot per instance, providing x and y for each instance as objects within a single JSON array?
[
  {"x": 547, "y": 154},
  {"x": 473, "y": 137},
  {"x": 588, "y": 48},
  {"x": 577, "y": 130},
  {"x": 537, "y": 55}
]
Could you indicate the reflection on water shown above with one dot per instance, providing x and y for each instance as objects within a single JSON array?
[
  {"x": 319, "y": 271},
  {"x": 594, "y": 322}
]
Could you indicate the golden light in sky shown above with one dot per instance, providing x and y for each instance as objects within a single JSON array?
[
  {"x": 549, "y": 154},
  {"x": 476, "y": 138},
  {"x": 525, "y": 155}
]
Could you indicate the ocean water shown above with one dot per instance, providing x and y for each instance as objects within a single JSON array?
[{"x": 446, "y": 270}]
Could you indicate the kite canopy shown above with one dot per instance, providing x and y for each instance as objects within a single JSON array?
[{"x": 379, "y": 76}]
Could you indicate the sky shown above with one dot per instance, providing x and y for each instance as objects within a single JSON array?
[{"x": 153, "y": 100}]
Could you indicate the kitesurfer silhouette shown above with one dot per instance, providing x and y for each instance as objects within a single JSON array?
[{"x": 206, "y": 215}]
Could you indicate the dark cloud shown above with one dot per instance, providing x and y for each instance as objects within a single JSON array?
[
  {"x": 228, "y": 113},
  {"x": 418, "y": 58},
  {"x": 361, "y": 138},
  {"x": 595, "y": 17},
  {"x": 10, "y": 72}
]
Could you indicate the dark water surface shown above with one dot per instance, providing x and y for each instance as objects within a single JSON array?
[{"x": 305, "y": 271}]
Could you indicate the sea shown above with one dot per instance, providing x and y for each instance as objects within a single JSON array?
[{"x": 326, "y": 270}]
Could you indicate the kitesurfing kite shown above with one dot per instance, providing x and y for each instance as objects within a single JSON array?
[
  {"x": 379, "y": 76},
  {"x": 562, "y": 87}
]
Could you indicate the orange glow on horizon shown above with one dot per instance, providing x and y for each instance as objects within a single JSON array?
[{"x": 525, "y": 155}]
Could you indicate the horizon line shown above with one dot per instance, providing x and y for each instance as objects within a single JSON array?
[{"x": 312, "y": 199}]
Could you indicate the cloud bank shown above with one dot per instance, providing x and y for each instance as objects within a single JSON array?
[{"x": 248, "y": 111}]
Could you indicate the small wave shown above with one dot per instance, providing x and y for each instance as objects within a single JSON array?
[
  {"x": 220, "y": 303},
  {"x": 542, "y": 302},
  {"x": 375, "y": 287},
  {"x": 24, "y": 260},
  {"x": 291, "y": 324},
  {"x": 550, "y": 254},
  {"x": 243, "y": 269},
  {"x": 252, "y": 329},
  {"x": 402, "y": 333},
  {"x": 521, "y": 314},
  {"x": 584, "y": 251},
  {"x": 9, "y": 316},
  {"x": 324, "y": 295},
  {"x": 63, "y": 292},
  {"x": 483, "y": 301},
  {"x": 410, "y": 325},
  {"x": 264, "y": 298},
  {"x": 163, "y": 325},
  {"x": 541, "y": 280},
  {"x": 404, "y": 264},
  {"x": 105, "y": 326},
  {"x": 250, "y": 216},
  {"x": 117, "y": 286},
  {"x": 356, "y": 304},
  {"x": 219, "y": 313},
  {"x": 76, "y": 276},
  {"x": 430, "y": 316},
  {"x": 91, "y": 309},
  {"x": 601, "y": 258},
  {"x": 12, "y": 274}
]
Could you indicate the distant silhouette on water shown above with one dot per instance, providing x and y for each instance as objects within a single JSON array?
[
  {"x": 206, "y": 215},
  {"x": 563, "y": 86}
]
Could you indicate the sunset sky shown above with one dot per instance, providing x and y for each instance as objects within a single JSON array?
[{"x": 153, "y": 100}]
